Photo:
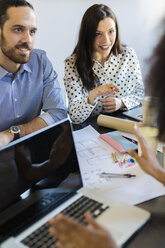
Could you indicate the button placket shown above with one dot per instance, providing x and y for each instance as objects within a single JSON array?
[{"x": 16, "y": 103}]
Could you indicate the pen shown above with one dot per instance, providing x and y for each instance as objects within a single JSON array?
[
  {"x": 116, "y": 175},
  {"x": 132, "y": 140}
]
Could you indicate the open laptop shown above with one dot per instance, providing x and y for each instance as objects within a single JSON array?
[
  {"x": 135, "y": 113},
  {"x": 39, "y": 178}
]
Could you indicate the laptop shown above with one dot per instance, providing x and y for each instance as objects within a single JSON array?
[
  {"x": 39, "y": 178},
  {"x": 135, "y": 113}
]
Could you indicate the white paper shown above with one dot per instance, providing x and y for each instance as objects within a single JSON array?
[{"x": 94, "y": 156}]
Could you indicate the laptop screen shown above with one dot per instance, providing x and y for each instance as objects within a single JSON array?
[{"x": 43, "y": 159}]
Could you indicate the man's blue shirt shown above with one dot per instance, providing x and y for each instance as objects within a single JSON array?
[{"x": 34, "y": 88}]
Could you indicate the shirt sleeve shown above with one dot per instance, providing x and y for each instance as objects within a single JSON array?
[
  {"x": 53, "y": 104},
  {"x": 79, "y": 108},
  {"x": 135, "y": 87}
]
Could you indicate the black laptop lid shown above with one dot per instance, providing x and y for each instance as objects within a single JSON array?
[{"x": 43, "y": 159}]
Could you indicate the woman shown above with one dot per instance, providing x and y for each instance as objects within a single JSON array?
[
  {"x": 73, "y": 234},
  {"x": 98, "y": 62}
]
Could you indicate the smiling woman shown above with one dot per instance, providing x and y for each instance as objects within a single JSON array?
[
  {"x": 101, "y": 75},
  {"x": 104, "y": 41}
]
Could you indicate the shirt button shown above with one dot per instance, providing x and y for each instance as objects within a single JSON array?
[
  {"x": 18, "y": 116},
  {"x": 15, "y": 100}
]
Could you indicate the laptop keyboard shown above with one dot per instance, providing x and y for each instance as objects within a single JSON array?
[
  {"x": 36, "y": 211},
  {"x": 41, "y": 237}
]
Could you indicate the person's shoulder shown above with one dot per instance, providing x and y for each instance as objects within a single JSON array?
[
  {"x": 127, "y": 50},
  {"x": 38, "y": 57},
  {"x": 71, "y": 59},
  {"x": 38, "y": 53}
]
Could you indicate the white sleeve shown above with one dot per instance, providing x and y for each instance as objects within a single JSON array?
[
  {"x": 79, "y": 108},
  {"x": 135, "y": 87}
]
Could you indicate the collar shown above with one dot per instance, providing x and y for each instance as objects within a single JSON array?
[
  {"x": 110, "y": 59},
  {"x": 24, "y": 67}
]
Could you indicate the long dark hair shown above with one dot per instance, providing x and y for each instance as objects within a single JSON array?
[
  {"x": 84, "y": 47},
  {"x": 156, "y": 82},
  {"x": 6, "y": 4}
]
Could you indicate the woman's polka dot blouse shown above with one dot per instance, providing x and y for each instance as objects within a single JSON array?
[{"x": 122, "y": 70}]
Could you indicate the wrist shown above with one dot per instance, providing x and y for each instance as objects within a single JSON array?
[
  {"x": 91, "y": 98},
  {"x": 15, "y": 132},
  {"x": 160, "y": 175},
  {"x": 9, "y": 135}
]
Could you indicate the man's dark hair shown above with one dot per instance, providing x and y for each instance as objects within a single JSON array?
[{"x": 5, "y": 4}]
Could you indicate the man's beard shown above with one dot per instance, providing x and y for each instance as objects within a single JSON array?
[{"x": 11, "y": 53}]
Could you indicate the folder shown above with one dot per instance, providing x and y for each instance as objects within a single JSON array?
[{"x": 118, "y": 142}]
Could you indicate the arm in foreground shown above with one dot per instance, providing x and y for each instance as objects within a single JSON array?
[
  {"x": 147, "y": 160},
  {"x": 73, "y": 234}
]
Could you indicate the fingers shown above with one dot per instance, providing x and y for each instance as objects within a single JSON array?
[
  {"x": 109, "y": 104},
  {"x": 113, "y": 87},
  {"x": 109, "y": 100},
  {"x": 133, "y": 154},
  {"x": 107, "y": 89},
  {"x": 140, "y": 138},
  {"x": 91, "y": 221},
  {"x": 65, "y": 228}
]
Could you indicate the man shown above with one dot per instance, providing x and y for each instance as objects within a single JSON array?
[{"x": 28, "y": 83}]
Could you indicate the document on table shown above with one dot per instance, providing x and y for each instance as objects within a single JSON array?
[{"x": 95, "y": 157}]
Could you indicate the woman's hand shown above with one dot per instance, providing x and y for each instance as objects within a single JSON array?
[
  {"x": 111, "y": 104},
  {"x": 147, "y": 160},
  {"x": 103, "y": 90},
  {"x": 72, "y": 234}
]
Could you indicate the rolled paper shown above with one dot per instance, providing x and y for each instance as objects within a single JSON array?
[
  {"x": 117, "y": 123},
  {"x": 150, "y": 135}
]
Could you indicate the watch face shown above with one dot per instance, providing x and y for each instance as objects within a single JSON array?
[{"x": 15, "y": 129}]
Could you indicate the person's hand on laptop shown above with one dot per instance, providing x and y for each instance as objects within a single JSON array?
[
  {"x": 147, "y": 160},
  {"x": 72, "y": 234}
]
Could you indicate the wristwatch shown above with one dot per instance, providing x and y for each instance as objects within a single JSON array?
[{"x": 16, "y": 131}]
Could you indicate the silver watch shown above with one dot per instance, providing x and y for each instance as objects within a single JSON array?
[{"x": 16, "y": 131}]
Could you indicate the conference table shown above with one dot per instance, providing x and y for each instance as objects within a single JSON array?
[{"x": 152, "y": 234}]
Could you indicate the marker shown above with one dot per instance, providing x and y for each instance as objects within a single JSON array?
[
  {"x": 116, "y": 175},
  {"x": 132, "y": 160}
]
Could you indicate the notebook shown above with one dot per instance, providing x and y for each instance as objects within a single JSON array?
[
  {"x": 116, "y": 140},
  {"x": 135, "y": 113},
  {"x": 39, "y": 178}
]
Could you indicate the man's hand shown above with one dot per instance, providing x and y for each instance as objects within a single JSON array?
[
  {"x": 103, "y": 90},
  {"x": 72, "y": 234},
  {"x": 37, "y": 123},
  {"x": 5, "y": 138}
]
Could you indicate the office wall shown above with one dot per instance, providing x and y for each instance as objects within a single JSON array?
[{"x": 59, "y": 21}]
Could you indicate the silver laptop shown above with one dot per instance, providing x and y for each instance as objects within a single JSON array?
[
  {"x": 39, "y": 178},
  {"x": 135, "y": 113}
]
